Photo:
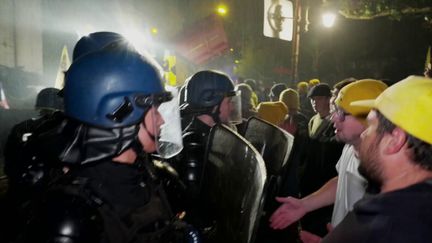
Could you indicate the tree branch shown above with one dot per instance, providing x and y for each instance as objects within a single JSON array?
[{"x": 390, "y": 12}]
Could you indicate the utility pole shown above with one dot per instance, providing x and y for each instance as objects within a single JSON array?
[{"x": 296, "y": 41}]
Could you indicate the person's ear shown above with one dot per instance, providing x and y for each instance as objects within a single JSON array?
[{"x": 395, "y": 141}]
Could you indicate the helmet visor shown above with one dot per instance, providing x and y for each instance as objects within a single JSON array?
[
  {"x": 169, "y": 141},
  {"x": 235, "y": 108}
]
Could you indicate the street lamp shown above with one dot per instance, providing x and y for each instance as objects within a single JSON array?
[
  {"x": 222, "y": 10},
  {"x": 154, "y": 30},
  {"x": 328, "y": 19}
]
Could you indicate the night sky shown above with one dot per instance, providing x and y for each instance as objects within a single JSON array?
[{"x": 382, "y": 48}]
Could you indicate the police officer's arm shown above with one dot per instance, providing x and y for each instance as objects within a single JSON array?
[{"x": 293, "y": 209}]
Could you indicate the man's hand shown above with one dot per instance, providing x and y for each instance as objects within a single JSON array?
[
  {"x": 329, "y": 227},
  {"x": 307, "y": 237},
  {"x": 289, "y": 212}
]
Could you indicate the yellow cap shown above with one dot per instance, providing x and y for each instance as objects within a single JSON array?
[
  {"x": 359, "y": 90},
  {"x": 314, "y": 82},
  {"x": 273, "y": 112},
  {"x": 407, "y": 104},
  {"x": 302, "y": 87},
  {"x": 290, "y": 98}
]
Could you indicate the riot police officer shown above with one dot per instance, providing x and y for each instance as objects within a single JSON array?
[
  {"x": 26, "y": 157},
  {"x": 48, "y": 104},
  {"x": 31, "y": 161},
  {"x": 112, "y": 99},
  {"x": 210, "y": 99}
]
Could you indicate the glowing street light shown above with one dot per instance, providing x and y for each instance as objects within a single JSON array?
[
  {"x": 154, "y": 30},
  {"x": 222, "y": 10},
  {"x": 328, "y": 19}
]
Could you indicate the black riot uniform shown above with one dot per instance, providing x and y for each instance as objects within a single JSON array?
[
  {"x": 20, "y": 149},
  {"x": 91, "y": 205},
  {"x": 190, "y": 165},
  {"x": 110, "y": 192},
  {"x": 29, "y": 146},
  {"x": 204, "y": 93},
  {"x": 33, "y": 146}
]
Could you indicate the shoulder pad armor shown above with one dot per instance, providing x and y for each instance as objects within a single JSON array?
[{"x": 64, "y": 217}]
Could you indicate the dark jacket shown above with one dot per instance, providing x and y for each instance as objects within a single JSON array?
[
  {"x": 319, "y": 166},
  {"x": 401, "y": 216}
]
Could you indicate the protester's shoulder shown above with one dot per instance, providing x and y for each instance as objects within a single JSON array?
[
  {"x": 414, "y": 199},
  {"x": 314, "y": 117},
  {"x": 300, "y": 117},
  {"x": 410, "y": 203}
]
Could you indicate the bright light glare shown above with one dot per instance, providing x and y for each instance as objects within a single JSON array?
[
  {"x": 85, "y": 30},
  {"x": 222, "y": 10},
  {"x": 134, "y": 37},
  {"x": 328, "y": 19},
  {"x": 138, "y": 40}
]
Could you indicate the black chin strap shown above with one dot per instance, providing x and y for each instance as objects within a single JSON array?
[
  {"x": 215, "y": 114},
  {"x": 210, "y": 111},
  {"x": 136, "y": 146},
  {"x": 153, "y": 137}
]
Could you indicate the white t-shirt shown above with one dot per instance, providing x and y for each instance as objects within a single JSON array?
[{"x": 351, "y": 185}]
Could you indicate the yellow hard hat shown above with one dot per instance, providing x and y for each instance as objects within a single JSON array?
[
  {"x": 290, "y": 98},
  {"x": 407, "y": 104},
  {"x": 273, "y": 112},
  {"x": 359, "y": 90}
]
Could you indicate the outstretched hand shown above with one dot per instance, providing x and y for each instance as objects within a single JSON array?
[
  {"x": 307, "y": 237},
  {"x": 291, "y": 210}
]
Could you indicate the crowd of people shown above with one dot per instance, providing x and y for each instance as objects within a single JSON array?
[{"x": 117, "y": 156}]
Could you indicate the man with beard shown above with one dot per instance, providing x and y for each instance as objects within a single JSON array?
[
  {"x": 348, "y": 187},
  {"x": 396, "y": 154}
]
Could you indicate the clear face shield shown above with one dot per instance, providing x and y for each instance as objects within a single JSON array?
[
  {"x": 170, "y": 142},
  {"x": 165, "y": 122},
  {"x": 233, "y": 108}
]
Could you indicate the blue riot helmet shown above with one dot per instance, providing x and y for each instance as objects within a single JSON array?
[
  {"x": 112, "y": 88},
  {"x": 207, "y": 89},
  {"x": 109, "y": 92},
  {"x": 94, "y": 42}
]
